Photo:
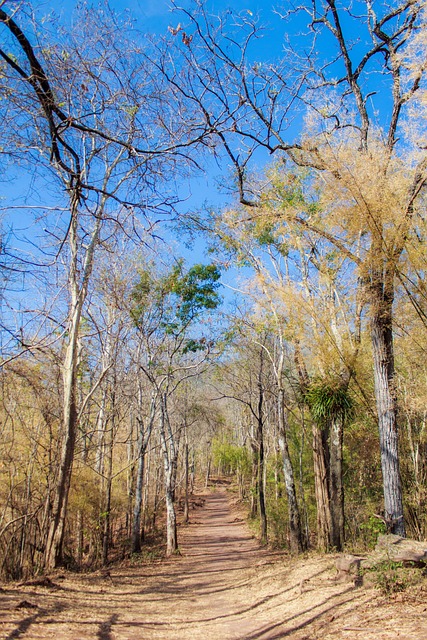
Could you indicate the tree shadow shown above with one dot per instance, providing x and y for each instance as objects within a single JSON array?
[
  {"x": 26, "y": 623},
  {"x": 296, "y": 627},
  {"x": 104, "y": 631}
]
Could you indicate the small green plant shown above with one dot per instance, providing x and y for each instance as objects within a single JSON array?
[
  {"x": 372, "y": 529},
  {"x": 392, "y": 577},
  {"x": 147, "y": 555}
]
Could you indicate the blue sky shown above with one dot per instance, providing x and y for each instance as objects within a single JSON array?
[
  {"x": 158, "y": 10},
  {"x": 154, "y": 16}
]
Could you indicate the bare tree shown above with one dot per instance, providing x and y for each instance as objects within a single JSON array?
[{"x": 95, "y": 114}]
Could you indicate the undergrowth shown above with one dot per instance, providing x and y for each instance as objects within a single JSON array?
[{"x": 392, "y": 577}]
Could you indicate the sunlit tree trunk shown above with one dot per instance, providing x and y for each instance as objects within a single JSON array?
[
  {"x": 258, "y": 450},
  {"x": 296, "y": 538},
  {"x": 208, "y": 469},
  {"x": 78, "y": 293},
  {"x": 53, "y": 549},
  {"x": 261, "y": 463},
  {"x": 321, "y": 486},
  {"x": 186, "y": 483},
  {"x": 144, "y": 434},
  {"x": 136, "y": 523},
  {"x": 336, "y": 487},
  {"x": 106, "y": 515},
  {"x": 170, "y": 462},
  {"x": 383, "y": 356},
  {"x": 254, "y": 480},
  {"x": 192, "y": 472},
  {"x": 156, "y": 497}
]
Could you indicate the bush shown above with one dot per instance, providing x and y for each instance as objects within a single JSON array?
[{"x": 392, "y": 577}]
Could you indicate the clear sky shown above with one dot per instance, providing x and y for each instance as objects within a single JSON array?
[
  {"x": 154, "y": 16},
  {"x": 20, "y": 188}
]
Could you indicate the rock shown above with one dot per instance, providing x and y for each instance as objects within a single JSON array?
[
  {"x": 386, "y": 540},
  {"x": 398, "y": 549},
  {"x": 348, "y": 562},
  {"x": 348, "y": 568}
]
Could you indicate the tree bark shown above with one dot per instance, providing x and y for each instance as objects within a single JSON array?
[
  {"x": 296, "y": 538},
  {"x": 171, "y": 529},
  {"x": 208, "y": 470},
  {"x": 78, "y": 293},
  {"x": 383, "y": 356},
  {"x": 260, "y": 482},
  {"x": 336, "y": 487},
  {"x": 54, "y": 543},
  {"x": 320, "y": 462},
  {"x": 260, "y": 452},
  {"x": 144, "y": 434},
  {"x": 186, "y": 489},
  {"x": 106, "y": 529},
  {"x": 136, "y": 523},
  {"x": 254, "y": 482},
  {"x": 169, "y": 459}
]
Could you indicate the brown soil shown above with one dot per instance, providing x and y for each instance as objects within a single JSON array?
[{"x": 222, "y": 587}]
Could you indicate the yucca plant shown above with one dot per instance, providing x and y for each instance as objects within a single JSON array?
[
  {"x": 331, "y": 407},
  {"x": 327, "y": 401}
]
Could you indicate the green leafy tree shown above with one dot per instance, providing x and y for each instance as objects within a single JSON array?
[{"x": 167, "y": 311}]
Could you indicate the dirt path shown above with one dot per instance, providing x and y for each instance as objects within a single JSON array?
[{"x": 223, "y": 587}]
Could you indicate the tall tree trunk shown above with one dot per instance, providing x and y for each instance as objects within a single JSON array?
[
  {"x": 260, "y": 452},
  {"x": 320, "y": 464},
  {"x": 192, "y": 472},
  {"x": 54, "y": 543},
  {"x": 145, "y": 497},
  {"x": 296, "y": 538},
  {"x": 321, "y": 486},
  {"x": 254, "y": 482},
  {"x": 186, "y": 485},
  {"x": 130, "y": 480},
  {"x": 106, "y": 525},
  {"x": 106, "y": 529},
  {"x": 171, "y": 528},
  {"x": 156, "y": 497},
  {"x": 336, "y": 487},
  {"x": 80, "y": 514},
  {"x": 260, "y": 482},
  {"x": 383, "y": 356},
  {"x": 208, "y": 470},
  {"x": 78, "y": 293},
  {"x": 136, "y": 523},
  {"x": 144, "y": 435},
  {"x": 169, "y": 460}
]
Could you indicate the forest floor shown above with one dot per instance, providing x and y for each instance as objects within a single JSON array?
[{"x": 223, "y": 586}]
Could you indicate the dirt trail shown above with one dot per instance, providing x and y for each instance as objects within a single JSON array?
[{"x": 222, "y": 587}]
